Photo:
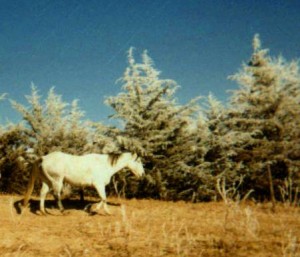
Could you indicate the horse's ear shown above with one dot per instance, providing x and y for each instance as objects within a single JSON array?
[{"x": 135, "y": 156}]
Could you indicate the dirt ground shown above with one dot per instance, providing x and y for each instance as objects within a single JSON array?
[{"x": 149, "y": 228}]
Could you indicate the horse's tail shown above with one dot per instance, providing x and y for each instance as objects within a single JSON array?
[{"x": 36, "y": 168}]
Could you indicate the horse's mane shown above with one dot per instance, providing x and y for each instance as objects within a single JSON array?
[{"x": 113, "y": 158}]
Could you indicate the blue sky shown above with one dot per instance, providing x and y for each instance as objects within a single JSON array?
[{"x": 80, "y": 46}]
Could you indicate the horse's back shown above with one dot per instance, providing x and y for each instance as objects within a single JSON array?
[
  {"x": 73, "y": 168},
  {"x": 56, "y": 158},
  {"x": 55, "y": 162},
  {"x": 56, "y": 155}
]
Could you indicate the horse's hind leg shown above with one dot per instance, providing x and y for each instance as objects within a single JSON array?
[
  {"x": 58, "y": 201},
  {"x": 57, "y": 188},
  {"x": 81, "y": 193},
  {"x": 43, "y": 194}
]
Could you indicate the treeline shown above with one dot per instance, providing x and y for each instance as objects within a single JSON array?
[{"x": 200, "y": 151}]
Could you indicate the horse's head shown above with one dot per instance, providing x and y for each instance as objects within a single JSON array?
[{"x": 135, "y": 165}]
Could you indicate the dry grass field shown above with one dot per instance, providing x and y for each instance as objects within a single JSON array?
[{"x": 150, "y": 228}]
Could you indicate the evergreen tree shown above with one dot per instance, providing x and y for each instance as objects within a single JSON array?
[
  {"x": 12, "y": 148},
  {"x": 212, "y": 161},
  {"x": 2, "y": 96},
  {"x": 264, "y": 118},
  {"x": 155, "y": 126},
  {"x": 53, "y": 125}
]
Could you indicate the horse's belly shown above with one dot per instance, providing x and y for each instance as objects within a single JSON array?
[{"x": 78, "y": 181}]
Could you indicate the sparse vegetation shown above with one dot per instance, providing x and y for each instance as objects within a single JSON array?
[{"x": 152, "y": 228}]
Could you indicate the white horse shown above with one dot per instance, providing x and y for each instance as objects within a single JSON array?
[{"x": 93, "y": 170}]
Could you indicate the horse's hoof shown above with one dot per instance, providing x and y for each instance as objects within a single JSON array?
[
  {"x": 41, "y": 213},
  {"x": 19, "y": 207},
  {"x": 93, "y": 213},
  {"x": 88, "y": 207},
  {"x": 107, "y": 212}
]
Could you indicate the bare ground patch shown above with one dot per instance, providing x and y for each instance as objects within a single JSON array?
[{"x": 150, "y": 228}]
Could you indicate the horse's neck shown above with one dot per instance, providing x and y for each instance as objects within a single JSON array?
[{"x": 120, "y": 164}]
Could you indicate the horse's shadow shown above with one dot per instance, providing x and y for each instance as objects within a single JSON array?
[{"x": 69, "y": 204}]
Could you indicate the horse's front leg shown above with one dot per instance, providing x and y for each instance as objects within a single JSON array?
[{"x": 101, "y": 191}]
